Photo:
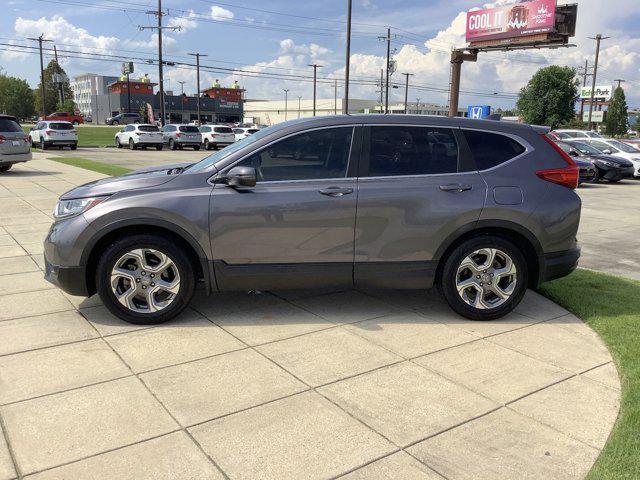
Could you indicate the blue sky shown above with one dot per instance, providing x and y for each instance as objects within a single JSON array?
[{"x": 284, "y": 36}]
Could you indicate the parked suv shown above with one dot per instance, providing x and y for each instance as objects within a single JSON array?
[
  {"x": 139, "y": 136},
  {"x": 482, "y": 209},
  {"x": 215, "y": 136},
  {"x": 179, "y": 136},
  {"x": 59, "y": 134},
  {"x": 14, "y": 143},
  {"x": 125, "y": 119}
]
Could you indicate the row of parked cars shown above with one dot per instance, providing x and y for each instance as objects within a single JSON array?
[
  {"x": 179, "y": 136},
  {"x": 600, "y": 158}
]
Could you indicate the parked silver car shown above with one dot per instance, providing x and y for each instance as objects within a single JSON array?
[
  {"x": 15, "y": 146},
  {"x": 178, "y": 136},
  {"x": 481, "y": 209}
]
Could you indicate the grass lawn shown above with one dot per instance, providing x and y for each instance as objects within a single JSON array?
[
  {"x": 92, "y": 136},
  {"x": 100, "y": 167},
  {"x": 611, "y": 306}
]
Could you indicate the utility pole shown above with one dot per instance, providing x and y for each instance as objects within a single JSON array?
[
  {"x": 315, "y": 76},
  {"x": 406, "y": 93},
  {"x": 418, "y": 105},
  {"x": 182, "y": 82},
  {"x": 386, "y": 95},
  {"x": 40, "y": 39},
  {"x": 620, "y": 81},
  {"x": 60, "y": 85},
  {"x": 585, "y": 74},
  {"x": 457, "y": 57},
  {"x": 335, "y": 96},
  {"x": 345, "y": 107},
  {"x": 286, "y": 93},
  {"x": 198, "y": 55},
  {"x": 381, "y": 90},
  {"x": 299, "y": 98},
  {"x": 159, "y": 13},
  {"x": 598, "y": 38}
]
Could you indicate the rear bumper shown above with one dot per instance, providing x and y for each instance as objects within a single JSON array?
[
  {"x": 6, "y": 159},
  {"x": 69, "y": 279},
  {"x": 559, "y": 264},
  {"x": 57, "y": 143}
]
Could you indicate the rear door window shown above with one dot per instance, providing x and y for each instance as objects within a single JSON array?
[
  {"x": 9, "y": 125},
  {"x": 405, "y": 150},
  {"x": 491, "y": 149}
]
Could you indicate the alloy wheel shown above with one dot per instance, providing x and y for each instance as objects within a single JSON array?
[
  {"x": 486, "y": 278},
  {"x": 145, "y": 280}
]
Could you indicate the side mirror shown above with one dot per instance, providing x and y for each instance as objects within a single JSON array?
[
  {"x": 607, "y": 151},
  {"x": 573, "y": 153},
  {"x": 241, "y": 177}
]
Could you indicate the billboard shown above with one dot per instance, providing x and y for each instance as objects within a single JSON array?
[
  {"x": 602, "y": 92},
  {"x": 525, "y": 18},
  {"x": 478, "y": 111}
]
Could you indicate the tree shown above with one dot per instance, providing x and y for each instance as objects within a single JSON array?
[
  {"x": 52, "y": 90},
  {"x": 16, "y": 97},
  {"x": 549, "y": 97},
  {"x": 617, "y": 120},
  {"x": 67, "y": 106}
]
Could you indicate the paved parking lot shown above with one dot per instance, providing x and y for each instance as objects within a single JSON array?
[{"x": 285, "y": 384}]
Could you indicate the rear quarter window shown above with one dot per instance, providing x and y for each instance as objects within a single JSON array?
[{"x": 491, "y": 149}]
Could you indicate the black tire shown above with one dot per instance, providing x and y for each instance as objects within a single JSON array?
[
  {"x": 196, "y": 147},
  {"x": 4, "y": 168},
  {"x": 158, "y": 147},
  {"x": 43, "y": 146},
  {"x": 118, "y": 144},
  {"x": 614, "y": 180},
  {"x": 115, "y": 122},
  {"x": 450, "y": 269},
  {"x": 118, "y": 248},
  {"x": 172, "y": 144},
  {"x": 207, "y": 145},
  {"x": 132, "y": 145},
  {"x": 596, "y": 177},
  {"x": 74, "y": 147},
  {"x": 76, "y": 122}
]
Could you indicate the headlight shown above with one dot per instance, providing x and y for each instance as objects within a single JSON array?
[{"x": 69, "y": 208}]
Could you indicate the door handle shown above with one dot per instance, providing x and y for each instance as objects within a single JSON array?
[
  {"x": 335, "y": 191},
  {"x": 455, "y": 187}
]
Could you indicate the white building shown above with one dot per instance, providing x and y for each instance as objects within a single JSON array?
[
  {"x": 270, "y": 112},
  {"x": 85, "y": 87}
]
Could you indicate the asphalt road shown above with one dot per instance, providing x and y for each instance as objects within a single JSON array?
[{"x": 609, "y": 229}]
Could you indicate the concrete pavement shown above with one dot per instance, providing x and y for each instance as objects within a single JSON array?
[{"x": 284, "y": 384}]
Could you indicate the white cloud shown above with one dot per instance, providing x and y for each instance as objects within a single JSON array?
[
  {"x": 219, "y": 13},
  {"x": 185, "y": 22}
]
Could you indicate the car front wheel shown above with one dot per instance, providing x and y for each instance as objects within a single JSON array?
[
  {"x": 145, "y": 279},
  {"x": 132, "y": 145},
  {"x": 484, "y": 278}
]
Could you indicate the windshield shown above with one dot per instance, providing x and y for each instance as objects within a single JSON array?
[
  {"x": 622, "y": 146},
  {"x": 222, "y": 130},
  {"x": 234, "y": 147},
  {"x": 61, "y": 126},
  {"x": 586, "y": 148},
  {"x": 9, "y": 125},
  {"x": 188, "y": 129},
  {"x": 593, "y": 135},
  {"x": 148, "y": 128}
]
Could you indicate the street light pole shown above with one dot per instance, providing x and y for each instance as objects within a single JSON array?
[
  {"x": 299, "y": 98},
  {"x": 345, "y": 107},
  {"x": 335, "y": 96},
  {"x": 406, "y": 93},
  {"x": 182, "y": 82},
  {"x": 386, "y": 94},
  {"x": 315, "y": 76},
  {"x": 40, "y": 39},
  {"x": 598, "y": 38},
  {"x": 286, "y": 93},
  {"x": 198, "y": 55},
  {"x": 620, "y": 81}
]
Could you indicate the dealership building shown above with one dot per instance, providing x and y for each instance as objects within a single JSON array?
[{"x": 217, "y": 104}]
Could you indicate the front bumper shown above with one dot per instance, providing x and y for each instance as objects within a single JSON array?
[
  {"x": 70, "y": 279},
  {"x": 558, "y": 264}
]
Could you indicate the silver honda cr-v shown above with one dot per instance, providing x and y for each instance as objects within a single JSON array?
[{"x": 482, "y": 209}]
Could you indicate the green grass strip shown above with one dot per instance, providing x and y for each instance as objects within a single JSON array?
[
  {"x": 100, "y": 167},
  {"x": 611, "y": 306}
]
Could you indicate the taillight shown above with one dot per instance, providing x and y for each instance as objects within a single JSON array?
[
  {"x": 178, "y": 135},
  {"x": 48, "y": 132},
  {"x": 567, "y": 176},
  {"x": 1, "y": 139}
]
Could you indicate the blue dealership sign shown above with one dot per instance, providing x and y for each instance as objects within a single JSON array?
[{"x": 478, "y": 111}]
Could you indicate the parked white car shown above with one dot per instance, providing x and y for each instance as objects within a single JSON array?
[
  {"x": 244, "y": 132},
  {"x": 217, "y": 136},
  {"x": 139, "y": 136},
  {"x": 619, "y": 149},
  {"x": 59, "y": 134},
  {"x": 568, "y": 133}
]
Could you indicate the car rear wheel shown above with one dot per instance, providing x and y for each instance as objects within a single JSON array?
[
  {"x": 4, "y": 168},
  {"x": 145, "y": 279},
  {"x": 172, "y": 144},
  {"x": 43, "y": 146},
  {"x": 484, "y": 278},
  {"x": 132, "y": 145},
  {"x": 74, "y": 146},
  {"x": 196, "y": 147},
  {"x": 158, "y": 147},
  {"x": 207, "y": 145}
]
